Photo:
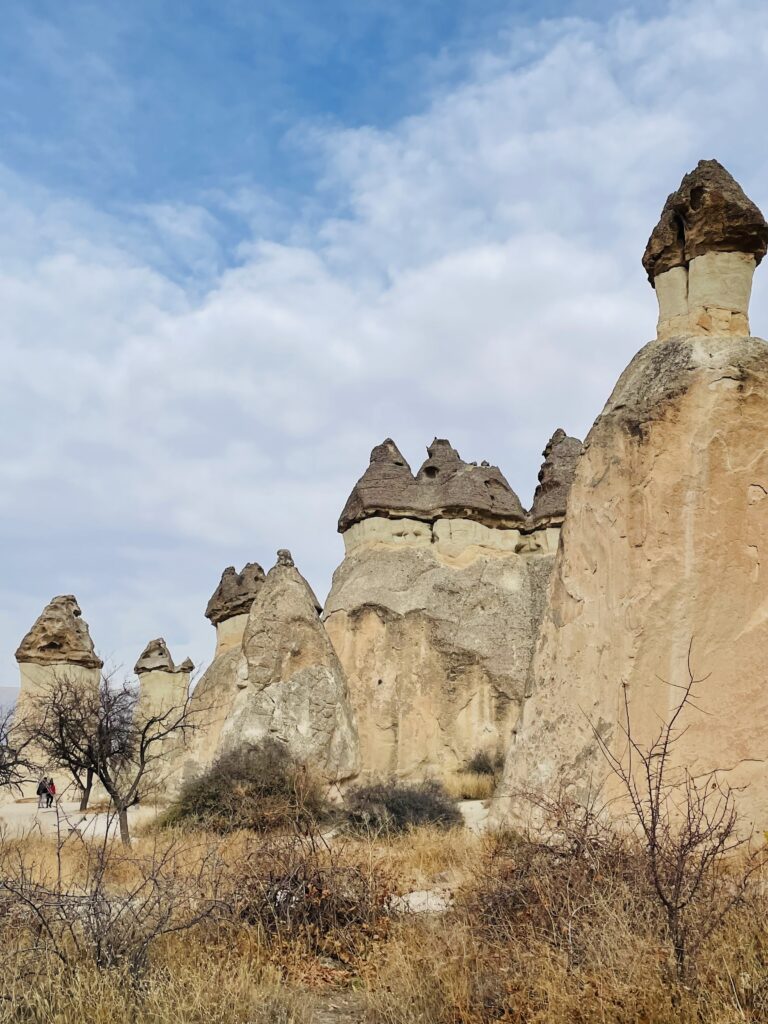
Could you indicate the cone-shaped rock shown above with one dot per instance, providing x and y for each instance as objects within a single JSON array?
[
  {"x": 386, "y": 487},
  {"x": 293, "y": 687},
  {"x": 235, "y": 593},
  {"x": 157, "y": 658},
  {"x": 663, "y": 546},
  {"x": 59, "y": 636},
  {"x": 561, "y": 455},
  {"x": 449, "y": 487}
]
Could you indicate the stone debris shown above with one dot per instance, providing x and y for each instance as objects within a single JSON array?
[{"x": 59, "y": 636}]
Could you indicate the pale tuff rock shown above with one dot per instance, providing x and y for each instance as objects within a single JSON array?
[
  {"x": 163, "y": 685},
  {"x": 235, "y": 593},
  {"x": 59, "y": 636},
  {"x": 561, "y": 456},
  {"x": 58, "y": 647},
  {"x": 213, "y": 697},
  {"x": 157, "y": 658},
  {"x": 435, "y": 649},
  {"x": 292, "y": 687},
  {"x": 701, "y": 255},
  {"x": 662, "y": 546},
  {"x": 435, "y": 608},
  {"x": 444, "y": 487}
]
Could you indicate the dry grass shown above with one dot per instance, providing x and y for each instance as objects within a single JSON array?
[
  {"x": 538, "y": 935},
  {"x": 470, "y": 785}
]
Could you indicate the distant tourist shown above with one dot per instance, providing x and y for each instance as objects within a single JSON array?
[
  {"x": 51, "y": 792},
  {"x": 42, "y": 792}
]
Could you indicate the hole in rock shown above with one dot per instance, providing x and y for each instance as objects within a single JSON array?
[
  {"x": 430, "y": 471},
  {"x": 697, "y": 196}
]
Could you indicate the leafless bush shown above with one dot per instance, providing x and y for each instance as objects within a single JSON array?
[
  {"x": 95, "y": 919},
  {"x": 302, "y": 889},
  {"x": 699, "y": 861}
]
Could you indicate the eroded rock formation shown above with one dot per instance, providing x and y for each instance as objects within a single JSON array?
[
  {"x": 291, "y": 686},
  {"x": 214, "y": 695},
  {"x": 435, "y": 608},
  {"x": 702, "y": 254},
  {"x": 58, "y": 648},
  {"x": 59, "y": 636},
  {"x": 163, "y": 684},
  {"x": 663, "y": 542}
]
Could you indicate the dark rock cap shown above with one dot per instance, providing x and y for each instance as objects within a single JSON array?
[
  {"x": 708, "y": 213},
  {"x": 386, "y": 484},
  {"x": 561, "y": 457},
  {"x": 235, "y": 593},
  {"x": 59, "y": 636},
  {"x": 445, "y": 485},
  {"x": 157, "y": 658}
]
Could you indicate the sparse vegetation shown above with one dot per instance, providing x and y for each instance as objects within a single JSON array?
[
  {"x": 256, "y": 787},
  {"x": 392, "y": 807}
]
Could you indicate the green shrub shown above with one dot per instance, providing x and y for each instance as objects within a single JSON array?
[
  {"x": 392, "y": 807},
  {"x": 258, "y": 787}
]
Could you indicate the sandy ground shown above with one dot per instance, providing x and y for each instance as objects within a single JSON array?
[{"x": 23, "y": 816}]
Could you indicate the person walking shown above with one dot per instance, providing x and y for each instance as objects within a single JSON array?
[
  {"x": 51, "y": 793},
  {"x": 42, "y": 792}
]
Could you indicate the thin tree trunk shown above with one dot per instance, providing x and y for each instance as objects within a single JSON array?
[
  {"x": 122, "y": 817},
  {"x": 87, "y": 791}
]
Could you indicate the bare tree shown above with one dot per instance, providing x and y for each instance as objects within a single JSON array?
[
  {"x": 62, "y": 722},
  {"x": 17, "y": 765},
  {"x": 688, "y": 824},
  {"x": 102, "y": 733}
]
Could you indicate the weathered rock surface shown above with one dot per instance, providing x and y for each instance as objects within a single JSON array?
[
  {"x": 235, "y": 593},
  {"x": 59, "y": 636},
  {"x": 662, "y": 550},
  {"x": 444, "y": 487},
  {"x": 291, "y": 686},
  {"x": 709, "y": 212},
  {"x": 157, "y": 658},
  {"x": 434, "y": 616},
  {"x": 561, "y": 456}
]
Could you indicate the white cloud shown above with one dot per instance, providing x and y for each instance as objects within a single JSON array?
[{"x": 484, "y": 285}]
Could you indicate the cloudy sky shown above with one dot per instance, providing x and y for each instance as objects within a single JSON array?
[{"x": 241, "y": 243}]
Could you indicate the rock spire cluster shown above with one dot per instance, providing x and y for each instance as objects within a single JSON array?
[
  {"x": 444, "y": 487},
  {"x": 459, "y": 622}
]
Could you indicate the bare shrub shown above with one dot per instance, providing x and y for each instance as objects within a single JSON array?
[
  {"x": 89, "y": 918},
  {"x": 393, "y": 807},
  {"x": 698, "y": 859},
  {"x": 303, "y": 889},
  {"x": 258, "y": 787}
]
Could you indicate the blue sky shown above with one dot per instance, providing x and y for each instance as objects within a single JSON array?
[{"x": 241, "y": 243}]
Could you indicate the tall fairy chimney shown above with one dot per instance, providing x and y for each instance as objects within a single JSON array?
[{"x": 702, "y": 254}]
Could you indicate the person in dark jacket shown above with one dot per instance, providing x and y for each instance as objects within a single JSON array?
[{"x": 42, "y": 792}]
